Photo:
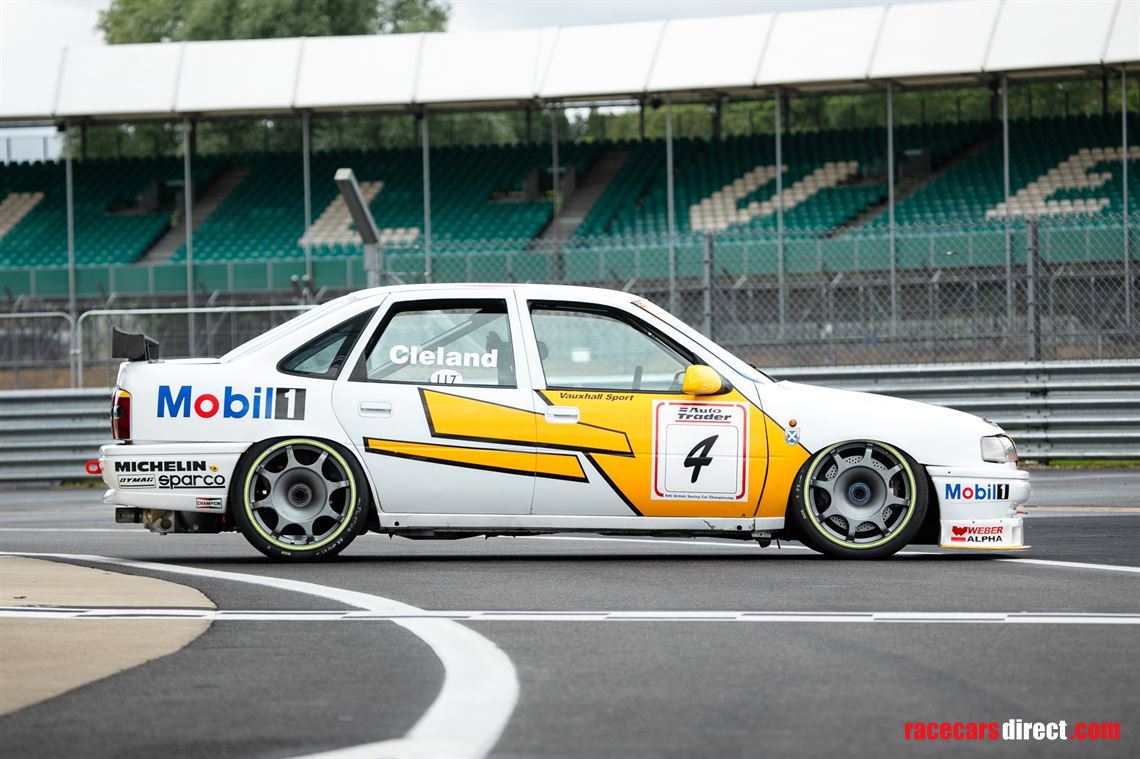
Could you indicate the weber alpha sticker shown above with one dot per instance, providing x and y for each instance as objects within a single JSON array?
[{"x": 700, "y": 451}]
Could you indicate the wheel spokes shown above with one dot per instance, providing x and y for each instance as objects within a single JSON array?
[
  {"x": 857, "y": 479},
  {"x": 296, "y": 521}
]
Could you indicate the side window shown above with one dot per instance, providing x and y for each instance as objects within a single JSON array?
[
  {"x": 442, "y": 342},
  {"x": 324, "y": 355},
  {"x": 600, "y": 349}
]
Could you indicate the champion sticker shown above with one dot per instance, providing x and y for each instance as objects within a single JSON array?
[{"x": 700, "y": 451}]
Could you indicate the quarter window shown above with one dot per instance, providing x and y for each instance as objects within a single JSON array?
[
  {"x": 452, "y": 342},
  {"x": 603, "y": 349},
  {"x": 323, "y": 356}
]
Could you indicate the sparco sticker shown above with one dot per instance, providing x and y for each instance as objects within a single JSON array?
[
  {"x": 257, "y": 403},
  {"x": 700, "y": 451}
]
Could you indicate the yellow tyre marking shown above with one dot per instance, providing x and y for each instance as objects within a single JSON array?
[
  {"x": 347, "y": 516},
  {"x": 824, "y": 532}
]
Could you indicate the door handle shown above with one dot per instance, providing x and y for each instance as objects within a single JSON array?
[
  {"x": 561, "y": 414},
  {"x": 375, "y": 408}
]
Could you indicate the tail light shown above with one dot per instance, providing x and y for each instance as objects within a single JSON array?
[{"x": 121, "y": 415}]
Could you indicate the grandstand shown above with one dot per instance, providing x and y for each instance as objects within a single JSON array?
[
  {"x": 493, "y": 199},
  {"x": 849, "y": 229}
]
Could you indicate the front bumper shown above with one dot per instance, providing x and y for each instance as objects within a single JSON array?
[{"x": 979, "y": 507}]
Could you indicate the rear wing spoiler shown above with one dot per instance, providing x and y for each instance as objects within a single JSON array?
[{"x": 133, "y": 347}]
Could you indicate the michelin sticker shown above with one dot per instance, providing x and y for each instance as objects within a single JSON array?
[{"x": 700, "y": 451}]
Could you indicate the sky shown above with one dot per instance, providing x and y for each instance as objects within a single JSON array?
[{"x": 59, "y": 23}]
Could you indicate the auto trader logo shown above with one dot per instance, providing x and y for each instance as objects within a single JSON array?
[{"x": 261, "y": 403}]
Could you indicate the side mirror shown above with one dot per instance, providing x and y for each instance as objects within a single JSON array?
[{"x": 703, "y": 380}]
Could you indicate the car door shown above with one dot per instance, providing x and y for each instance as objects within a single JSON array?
[
  {"x": 608, "y": 385},
  {"x": 431, "y": 405}
]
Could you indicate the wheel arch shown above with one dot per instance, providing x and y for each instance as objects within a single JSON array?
[
  {"x": 930, "y": 519},
  {"x": 372, "y": 504}
]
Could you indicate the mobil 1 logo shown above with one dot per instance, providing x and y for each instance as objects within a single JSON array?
[
  {"x": 282, "y": 403},
  {"x": 700, "y": 451}
]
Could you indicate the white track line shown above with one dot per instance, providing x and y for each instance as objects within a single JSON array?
[
  {"x": 1074, "y": 565},
  {"x": 480, "y": 686},
  {"x": 828, "y": 617},
  {"x": 685, "y": 542},
  {"x": 786, "y": 547}
]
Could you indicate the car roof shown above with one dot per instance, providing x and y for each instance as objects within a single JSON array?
[{"x": 554, "y": 292}]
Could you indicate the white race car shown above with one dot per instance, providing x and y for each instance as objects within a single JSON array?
[{"x": 452, "y": 411}]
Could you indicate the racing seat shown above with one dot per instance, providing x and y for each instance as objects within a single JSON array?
[{"x": 506, "y": 364}]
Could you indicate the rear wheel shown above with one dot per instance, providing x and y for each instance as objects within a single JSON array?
[
  {"x": 298, "y": 499},
  {"x": 859, "y": 499}
]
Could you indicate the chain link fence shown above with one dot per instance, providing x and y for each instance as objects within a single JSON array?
[{"x": 1051, "y": 288}]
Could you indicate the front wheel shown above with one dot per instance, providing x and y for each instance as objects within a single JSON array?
[
  {"x": 860, "y": 499},
  {"x": 298, "y": 499}
]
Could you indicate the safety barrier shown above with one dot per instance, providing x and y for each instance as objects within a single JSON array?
[{"x": 1053, "y": 410}]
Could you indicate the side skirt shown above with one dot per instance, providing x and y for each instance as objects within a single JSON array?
[{"x": 438, "y": 525}]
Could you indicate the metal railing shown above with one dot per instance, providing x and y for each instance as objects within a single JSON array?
[
  {"x": 1057, "y": 288},
  {"x": 1053, "y": 410}
]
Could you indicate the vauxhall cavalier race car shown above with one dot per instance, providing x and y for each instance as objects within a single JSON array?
[{"x": 455, "y": 411}]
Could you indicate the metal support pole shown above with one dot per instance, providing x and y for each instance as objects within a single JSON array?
[
  {"x": 1005, "y": 174},
  {"x": 365, "y": 226},
  {"x": 781, "y": 293},
  {"x": 188, "y": 224},
  {"x": 69, "y": 179},
  {"x": 1124, "y": 181},
  {"x": 555, "y": 179},
  {"x": 891, "y": 207},
  {"x": 707, "y": 274},
  {"x": 305, "y": 150},
  {"x": 1033, "y": 318},
  {"x": 673, "y": 303},
  {"x": 427, "y": 196}
]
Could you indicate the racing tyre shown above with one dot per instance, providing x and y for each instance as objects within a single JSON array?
[
  {"x": 298, "y": 499},
  {"x": 859, "y": 500}
]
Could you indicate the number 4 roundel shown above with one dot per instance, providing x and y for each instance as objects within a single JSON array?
[{"x": 700, "y": 451}]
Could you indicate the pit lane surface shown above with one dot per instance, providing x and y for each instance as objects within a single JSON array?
[{"x": 667, "y": 685}]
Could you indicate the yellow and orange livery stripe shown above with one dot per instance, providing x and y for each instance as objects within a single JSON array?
[{"x": 559, "y": 466}]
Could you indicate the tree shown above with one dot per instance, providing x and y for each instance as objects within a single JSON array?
[
  {"x": 127, "y": 21},
  {"x": 409, "y": 16}
]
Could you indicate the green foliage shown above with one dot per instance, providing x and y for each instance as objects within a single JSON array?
[
  {"x": 409, "y": 16},
  {"x": 127, "y": 21}
]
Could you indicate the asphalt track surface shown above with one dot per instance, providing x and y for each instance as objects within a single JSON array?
[{"x": 690, "y": 660}]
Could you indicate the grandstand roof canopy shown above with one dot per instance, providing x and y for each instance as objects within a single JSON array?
[{"x": 935, "y": 43}]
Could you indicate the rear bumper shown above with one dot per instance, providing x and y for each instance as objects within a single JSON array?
[
  {"x": 170, "y": 476},
  {"x": 979, "y": 507}
]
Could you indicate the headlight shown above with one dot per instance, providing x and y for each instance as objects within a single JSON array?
[{"x": 999, "y": 449}]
